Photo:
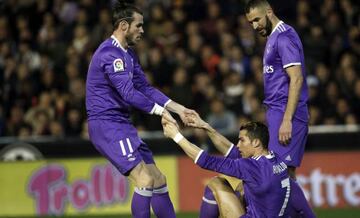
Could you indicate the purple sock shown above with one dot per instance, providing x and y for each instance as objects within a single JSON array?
[
  {"x": 209, "y": 207},
  {"x": 161, "y": 203},
  {"x": 140, "y": 205}
]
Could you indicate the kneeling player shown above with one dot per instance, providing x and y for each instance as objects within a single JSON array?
[{"x": 265, "y": 178}]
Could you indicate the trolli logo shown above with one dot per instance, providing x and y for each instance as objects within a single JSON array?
[{"x": 51, "y": 191}]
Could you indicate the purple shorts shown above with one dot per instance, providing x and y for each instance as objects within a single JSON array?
[
  {"x": 120, "y": 144},
  {"x": 292, "y": 153}
]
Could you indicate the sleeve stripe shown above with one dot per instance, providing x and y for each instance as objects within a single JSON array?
[
  {"x": 228, "y": 152},
  {"x": 291, "y": 64},
  {"x": 166, "y": 103},
  {"x": 198, "y": 156}
]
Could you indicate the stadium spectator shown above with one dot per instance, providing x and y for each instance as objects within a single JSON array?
[{"x": 49, "y": 35}]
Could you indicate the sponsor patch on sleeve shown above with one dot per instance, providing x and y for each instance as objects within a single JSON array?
[{"x": 118, "y": 65}]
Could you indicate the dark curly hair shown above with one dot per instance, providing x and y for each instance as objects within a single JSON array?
[{"x": 257, "y": 130}]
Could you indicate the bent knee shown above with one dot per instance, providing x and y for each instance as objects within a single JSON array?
[
  {"x": 218, "y": 183},
  {"x": 145, "y": 180},
  {"x": 159, "y": 179}
]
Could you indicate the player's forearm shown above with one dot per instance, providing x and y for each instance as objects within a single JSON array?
[
  {"x": 221, "y": 143},
  {"x": 190, "y": 149},
  {"x": 293, "y": 98},
  {"x": 175, "y": 107}
]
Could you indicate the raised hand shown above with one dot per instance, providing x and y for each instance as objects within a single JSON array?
[
  {"x": 170, "y": 129},
  {"x": 186, "y": 115},
  {"x": 194, "y": 120},
  {"x": 167, "y": 116}
]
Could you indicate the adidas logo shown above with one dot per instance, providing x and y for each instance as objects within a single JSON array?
[{"x": 288, "y": 158}]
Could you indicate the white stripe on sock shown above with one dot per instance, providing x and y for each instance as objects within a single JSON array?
[
  {"x": 161, "y": 190},
  {"x": 143, "y": 192},
  {"x": 209, "y": 201}
]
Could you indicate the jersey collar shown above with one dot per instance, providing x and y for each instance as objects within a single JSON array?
[
  {"x": 277, "y": 26},
  {"x": 117, "y": 43}
]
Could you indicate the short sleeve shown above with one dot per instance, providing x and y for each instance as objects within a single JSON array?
[{"x": 289, "y": 51}]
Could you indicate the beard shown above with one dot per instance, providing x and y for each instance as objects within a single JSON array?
[
  {"x": 268, "y": 26},
  {"x": 130, "y": 39}
]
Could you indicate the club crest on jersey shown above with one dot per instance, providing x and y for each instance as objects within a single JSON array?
[{"x": 118, "y": 65}]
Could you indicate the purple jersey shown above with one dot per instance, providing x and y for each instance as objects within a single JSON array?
[
  {"x": 266, "y": 181},
  {"x": 116, "y": 82},
  {"x": 283, "y": 49}
]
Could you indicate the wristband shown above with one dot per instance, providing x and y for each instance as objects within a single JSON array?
[
  {"x": 178, "y": 137},
  {"x": 157, "y": 109}
]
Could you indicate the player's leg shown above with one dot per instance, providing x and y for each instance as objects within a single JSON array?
[
  {"x": 292, "y": 153},
  {"x": 143, "y": 180},
  {"x": 297, "y": 147},
  {"x": 119, "y": 144},
  {"x": 228, "y": 203},
  {"x": 299, "y": 207},
  {"x": 209, "y": 207},
  {"x": 160, "y": 201}
]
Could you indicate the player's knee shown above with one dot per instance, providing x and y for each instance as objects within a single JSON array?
[
  {"x": 145, "y": 180},
  {"x": 218, "y": 183},
  {"x": 159, "y": 179}
]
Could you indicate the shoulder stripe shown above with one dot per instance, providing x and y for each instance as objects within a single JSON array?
[
  {"x": 116, "y": 43},
  {"x": 282, "y": 26},
  {"x": 256, "y": 157}
]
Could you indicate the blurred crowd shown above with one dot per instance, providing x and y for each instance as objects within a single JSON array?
[{"x": 201, "y": 53}]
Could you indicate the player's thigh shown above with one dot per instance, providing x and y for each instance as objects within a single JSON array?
[
  {"x": 120, "y": 147},
  {"x": 235, "y": 183},
  {"x": 228, "y": 202},
  {"x": 141, "y": 176},
  {"x": 159, "y": 178}
]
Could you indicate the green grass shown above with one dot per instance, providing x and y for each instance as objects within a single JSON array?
[{"x": 320, "y": 213}]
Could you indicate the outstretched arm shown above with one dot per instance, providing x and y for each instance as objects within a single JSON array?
[
  {"x": 182, "y": 111},
  {"x": 221, "y": 143},
  {"x": 231, "y": 167},
  {"x": 141, "y": 84},
  {"x": 172, "y": 131}
]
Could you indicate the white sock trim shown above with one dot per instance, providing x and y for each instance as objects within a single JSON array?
[
  {"x": 209, "y": 201},
  {"x": 161, "y": 190},
  {"x": 144, "y": 191}
]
